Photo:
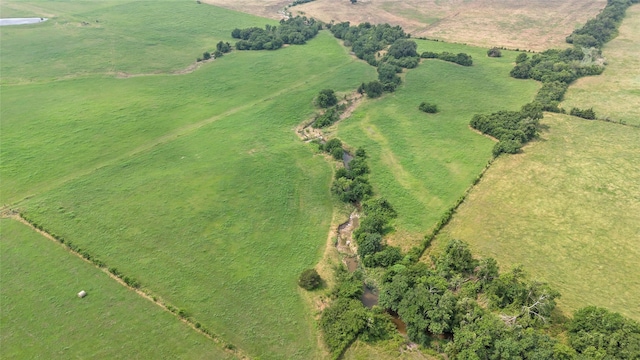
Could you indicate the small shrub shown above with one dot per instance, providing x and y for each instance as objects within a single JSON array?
[
  {"x": 428, "y": 108},
  {"x": 309, "y": 279},
  {"x": 588, "y": 114},
  {"x": 206, "y": 55},
  {"x": 327, "y": 98},
  {"x": 494, "y": 52}
]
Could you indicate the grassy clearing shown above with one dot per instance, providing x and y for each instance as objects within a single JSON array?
[
  {"x": 195, "y": 185},
  {"x": 535, "y": 24},
  {"x": 112, "y": 37},
  {"x": 43, "y": 318},
  {"x": 422, "y": 162},
  {"x": 568, "y": 210},
  {"x": 616, "y": 93}
]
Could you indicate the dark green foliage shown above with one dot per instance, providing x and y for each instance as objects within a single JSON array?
[
  {"x": 428, "y": 108},
  {"x": 309, "y": 279},
  {"x": 389, "y": 256},
  {"x": 511, "y": 128},
  {"x": 218, "y": 54},
  {"x": 522, "y": 57},
  {"x": 296, "y": 30},
  {"x": 328, "y": 118},
  {"x": 387, "y": 75},
  {"x": 331, "y": 144},
  {"x": 206, "y": 55},
  {"x": 588, "y": 114},
  {"x": 300, "y": 2},
  {"x": 460, "y": 58},
  {"x": 494, "y": 52},
  {"x": 595, "y": 330},
  {"x": 366, "y": 39},
  {"x": 403, "y": 48},
  {"x": 596, "y": 32},
  {"x": 555, "y": 65},
  {"x": 487, "y": 271},
  {"x": 369, "y": 244},
  {"x": 223, "y": 47},
  {"x": 456, "y": 259},
  {"x": 379, "y": 206},
  {"x": 551, "y": 94},
  {"x": 327, "y": 98},
  {"x": 351, "y": 185},
  {"x": 373, "y": 89}
]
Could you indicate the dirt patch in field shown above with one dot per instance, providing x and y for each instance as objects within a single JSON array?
[{"x": 523, "y": 24}]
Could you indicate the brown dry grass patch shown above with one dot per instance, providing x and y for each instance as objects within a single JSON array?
[{"x": 534, "y": 24}]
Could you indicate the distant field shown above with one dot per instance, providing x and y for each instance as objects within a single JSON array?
[
  {"x": 616, "y": 93},
  {"x": 422, "y": 162},
  {"x": 568, "y": 209},
  {"x": 111, "y": 37},
  {"x": 194, "y": 184},
  {"x": 534, "y": 24},
  {"x": 42, "y": 317}
]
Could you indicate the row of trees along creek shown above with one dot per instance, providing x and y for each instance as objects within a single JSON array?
[{"x": 556, "y": 69}]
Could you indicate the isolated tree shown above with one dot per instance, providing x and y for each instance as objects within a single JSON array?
[
  {"x": 494, "y": 52},
  {"x": 309, "y": 279},
  {"x": 354, "y": 1},
  {"x": 327, "y": 98},
  {"x": 206, "y": 55}
]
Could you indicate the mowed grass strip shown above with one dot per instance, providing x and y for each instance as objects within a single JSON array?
[
  {"x": 220, "y": 221},
  {"x": 616, "y": 93},
  {"x": 568, "y": 209},
  {"x": 423, "y": 162},
  {"x": 112, "y": 37},
  {"x": 41, "y": 316}
]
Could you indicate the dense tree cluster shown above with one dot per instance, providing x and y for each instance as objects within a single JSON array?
[
  {"x": 327, "y": 118},
  {"x": 296, "y": 30},
  {"x": 326, "y": 98},
  {"x": 598, "y": 333},
  {"x": 551, "y": 94},
  {"x": 511, "y": 128},
  {"x": 374, "y": 224},
  {"x": 460, "y": 58},
  {"x": 334, "y": 148},
  {"x": 352, "y": 184},
  {"x": 367, "y": 41},
  {"x": 596, "y": 32},
  {"x": 554, "y": 65},
  {"x": 347, "y": 319}
]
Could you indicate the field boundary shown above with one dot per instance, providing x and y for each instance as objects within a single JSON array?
[{"x": 8, "y": 213}]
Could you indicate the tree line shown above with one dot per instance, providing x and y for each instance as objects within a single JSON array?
[
  {"x": 296, "y": 30},
  {"x": 604, "y": 27}
]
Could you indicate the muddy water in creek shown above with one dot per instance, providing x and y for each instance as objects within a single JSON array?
[{"x": 346, "y": 159}]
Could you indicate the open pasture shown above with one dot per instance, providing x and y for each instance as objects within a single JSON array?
[
  {"x": 193, "y": 184},
  {"x": 535, "y": 24},
  {"x": 114, "y": 38},
  {"x": 42, "y": 317},
  {"x": 423, "y": 162},
  {"x": 568, "y": 209},
  {"x": 616, "y": 93}
]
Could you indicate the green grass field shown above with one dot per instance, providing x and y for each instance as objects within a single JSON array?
[
  {"x": 568, "y": 209},
  {"x": 194, "y": 184},
  {"x": 423, "y": 162},
  {"x": 42, "y": 317},
  {"x": 616, "y": 93}
]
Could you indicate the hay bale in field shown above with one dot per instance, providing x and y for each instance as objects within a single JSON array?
[{"x": 82, "y": 294}]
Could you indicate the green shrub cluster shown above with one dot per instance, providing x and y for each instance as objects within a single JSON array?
[
  {"x": 327, "y": 118},
  {"x": 460, "y": 58},
  {"x": 326, "y": 98},
  {"x": 334, "y": 148},
  {"x": 428, "y": 107},
  {"x": 588, "y": 114},
  {"x": 367, "y": 41},
  {"x": 494, "y": 52},
  {"x": 352, "y": 184},
  {"x": 346, "y": 319},
  {"x": 296, "y": 30},
  {"x": 511, "y": 128},
  {"x": 551, "y": 94},
  {"x": 555, "y": 65},
  {"x": 309, "y": 279},
  {"x": 596, "y": 32},
  {"x": 374, "y": 224}
]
